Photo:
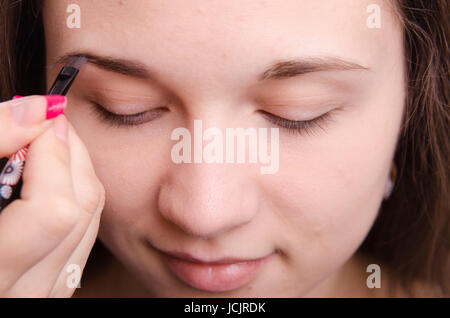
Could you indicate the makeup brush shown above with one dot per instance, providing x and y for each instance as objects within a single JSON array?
[
  {"x": 67, "y": 75},
  {"x": 12, "y": 168}
]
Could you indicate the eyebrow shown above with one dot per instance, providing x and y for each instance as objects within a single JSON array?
[
  {"x": 112, "y": 64},
  {"x": 278, "y": 70},
  {"x": 297, "y": 67}
]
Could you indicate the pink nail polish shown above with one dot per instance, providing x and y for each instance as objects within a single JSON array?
[
  {"x": 55, "y": 105},
  {"x": 17, "y": 96}
]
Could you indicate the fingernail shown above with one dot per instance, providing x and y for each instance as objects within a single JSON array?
[
  {"x": 55, "y": 105},
  {"x": 32, "y": 110},
  {"x": 61, "y": 128}
]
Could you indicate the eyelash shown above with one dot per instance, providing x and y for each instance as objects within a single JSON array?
[
  {"x": 115, "y": 120},
  {"x": 307, "y": 127}
]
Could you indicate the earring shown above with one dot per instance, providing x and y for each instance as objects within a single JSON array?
[{"x": 390, "y": 182}]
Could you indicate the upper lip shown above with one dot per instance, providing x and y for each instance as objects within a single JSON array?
[{"x": 224, "y": 260}]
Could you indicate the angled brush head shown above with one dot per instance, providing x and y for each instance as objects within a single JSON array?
[
  {"x": 75, "y": 61},
  {"x": 67, "y": 75}
]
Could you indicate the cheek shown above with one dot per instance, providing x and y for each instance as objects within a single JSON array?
[
  {"x": 329, "y": 188},
  {"x": 129, "y": 163},
  {"x": 131, "y": 182},
  {"x": 321, "y": 214}
]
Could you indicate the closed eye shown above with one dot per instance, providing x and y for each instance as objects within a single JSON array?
[
  {"x": 307, "y": 127},
  {"x": 121, "y": 120}
]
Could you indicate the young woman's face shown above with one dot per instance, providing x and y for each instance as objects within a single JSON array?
[{"x": 207, "y": 60}]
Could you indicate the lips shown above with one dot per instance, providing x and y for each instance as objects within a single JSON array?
[{"x": 215, "y": 276}]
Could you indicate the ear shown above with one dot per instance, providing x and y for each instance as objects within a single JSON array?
[{"x": 388, "y": 189}]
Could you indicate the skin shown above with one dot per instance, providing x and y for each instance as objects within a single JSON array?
[
  {"x": 205, "y": 57},
  {"x": 63, "y": 212}
]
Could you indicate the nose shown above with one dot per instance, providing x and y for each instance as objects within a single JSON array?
[{"x": 208, "y": 199}]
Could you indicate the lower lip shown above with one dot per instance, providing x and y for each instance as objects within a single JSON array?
[{"x": 215, "y": 277}]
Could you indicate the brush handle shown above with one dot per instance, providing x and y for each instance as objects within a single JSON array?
[
  {"x": 11, "y": 177},
  {"x": 12, "y": 168}
]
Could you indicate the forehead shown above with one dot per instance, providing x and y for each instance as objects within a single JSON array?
[{"x": 223, "y": 33}]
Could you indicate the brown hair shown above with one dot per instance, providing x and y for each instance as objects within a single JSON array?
[{"x": 411, "y": 233}]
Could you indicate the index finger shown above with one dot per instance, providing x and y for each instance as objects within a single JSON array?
[{"x": 22, "y": 120}]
